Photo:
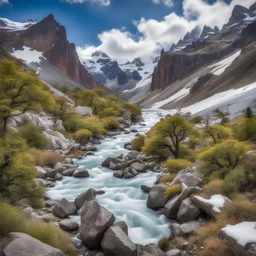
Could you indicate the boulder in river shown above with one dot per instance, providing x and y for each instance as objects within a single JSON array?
[
  {"x": 84, "y": 197},
  {"x": 64, "y": 208},
  {"x": 140, "y": 167},
  {"x": 95, "y": 220},
  {"x": 68, "y": 225},
  {"x": 115, "y": 242},
  {"x": 80, "y": 173},
  {"x": 156, "y": 197}
]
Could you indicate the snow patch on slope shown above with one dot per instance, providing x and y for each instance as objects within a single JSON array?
[
  {"x": 28, "y": 55},
  {"x": 221, "y": 66},
  {"x": 244, "y": 232}
]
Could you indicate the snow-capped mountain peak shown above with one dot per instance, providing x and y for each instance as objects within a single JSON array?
[{"x": 12, "y": 26}]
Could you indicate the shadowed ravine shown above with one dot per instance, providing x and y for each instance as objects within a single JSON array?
[{"x": 123, "y": 197}]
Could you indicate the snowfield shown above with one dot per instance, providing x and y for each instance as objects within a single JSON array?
[
  {"x": 244, "y": 232},
  {"x": 12, "y": 26},
  {"x": 28, "y": 55},
  {"x": 221, "y": 66}
]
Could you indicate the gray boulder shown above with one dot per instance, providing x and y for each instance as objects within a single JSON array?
[
  {"x": 51, "y": 173},
  {"x": 174, "y": 252},
  {"x": 188, "y": 178},
  {"x": 90, "y": 147},
  {"x": 172, "y": 206},
  {"x": 59, "y": 167},
  {"x": 68, "y": 172},
  {"x": 80, "y": 173},
  {"x": 114, "y": 160},
  {"x": 188, "y": 211},
  {"x": 84, "y": 111},
  {"x": 84, "y": 197},
  {"x": 139, "y": 167},
  {"x": 41, "y": 171},
  {"x": 118, "y": 174},
  {"x": 116, "y": 243},
  {"x": 123, "y": 226},
  {"x": 25, "y": 245},
  {"x": 58, "y": 176},
  {"x": 68, "y": 225},
  {"x": 95, "y": 220},
  {"x": 184, "y": 229},
  {"x": 149, "y": 250},
  {"x": 67, "y": 161},
  {"x": 156, "y": 197},
  {"x": 64, "y": 208},
  {"x": 145, "y": 188}
]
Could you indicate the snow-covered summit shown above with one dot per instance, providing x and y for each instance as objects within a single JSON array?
[{"x": 12, "y": 26}]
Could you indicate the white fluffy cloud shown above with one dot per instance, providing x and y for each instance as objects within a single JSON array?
[
  {"x": 101, "y": 2},
  {"x": 155, "y": 35},
  {"x": 167, "y": 3},
  {"x": 4, "y": 2}
]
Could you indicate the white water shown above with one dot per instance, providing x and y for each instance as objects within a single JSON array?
[{"x": 123, "y": 197}]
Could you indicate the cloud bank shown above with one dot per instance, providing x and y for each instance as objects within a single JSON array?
[
  {"x": 100, "y": 2},
  {"x": 155, "y": 35},
  {"x": 4, "y": 2}
]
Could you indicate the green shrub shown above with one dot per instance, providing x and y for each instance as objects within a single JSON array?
[
  {"x": 110, "y": 123},
  {"x": 138, "y": 142},
  {"x": 110, "y": 111},
  {"x": 45, "y": 158},
  {"x": 133, "y": 109},
  {"x": 11, "y": 219},
  {"x": 176, "y": 165},
  {"x": 83, "y": 136},
  {"x": 172, "y": 191},
  {"x": 246, "y": 130},
  {"x": 167, "y": 178},
  {"x": 33, "y": 135},
  {"x": 164, "y": 244}
]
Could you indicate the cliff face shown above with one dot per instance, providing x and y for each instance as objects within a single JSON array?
[
  {"x": 49, "y": 37},
  {"x": 174, "y": 66}
]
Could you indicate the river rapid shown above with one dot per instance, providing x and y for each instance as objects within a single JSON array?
[{"x": 123, "y": 197}]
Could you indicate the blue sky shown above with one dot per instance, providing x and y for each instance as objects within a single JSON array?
[{"x": 110, "y": 26}]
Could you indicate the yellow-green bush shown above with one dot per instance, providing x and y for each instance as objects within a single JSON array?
[
  {"x": 246, "y": 130},
  {"x": 51, "y": 234},
  {"x": 172, "y": 191},
  {"x": 11, "y": 219},
  {"x": 167, "y": 178},
  {"x": 110, "y": 123},
  {"x": 164, "y": 244},
  {"x": 83, "y": 136},
  {"x": 138, "y": 142},
  {"x": 32, "y": 134},
  {"x": 94, "y": 125},
  {"x": 110, "y": 111},
  {"x": 133, "y": 109},
  {"x": 176, "y": 165},
  {"x": 45, "y": 158}
]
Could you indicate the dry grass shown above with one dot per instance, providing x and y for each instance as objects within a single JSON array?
[
  {"x": 167, "y": 178},
  {"x": 76, "y": 154},
  {"x": 212, "y": 188},
  {"x": 45, "y": 158},
  {"x": 213, "y": 247}
]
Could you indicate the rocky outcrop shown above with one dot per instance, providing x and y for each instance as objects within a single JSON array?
[
  {"x": 95, "y": 220},
  {"x": 84, "y": 111},
  {"x": 24, "y": 245},
  {"x": 49, "y": 37}
]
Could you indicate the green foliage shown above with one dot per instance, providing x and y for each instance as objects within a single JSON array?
[
  {"x": 166, "y": 137},
  {"x": 17, "y": 171},
  {"x": 167, "y": 178},
  {"x": 110, "y": 123},
  {"x": 20, "y": 91},
  {"x": 223, "y": 157},
  {"x": 218, "y": 132},
  {"x": 223, "y": 116},
  {"x": 176, "y": 165},
  {"x": 83, "y": 136},
  {"x": 133, "y": 109},
  {"x": 13, "y": 219},
  {"x": 138, "y": 142},
  {"x": 45, "y": 158},
  {"x": 33, "y": 135},
  {"x": 172, "y": 191},
  {"x": 197, "y": 120},
  {"x": 246, "y": 130},
  {"x": 164, "y": 244},
  {"x": 110, "y": 111}
]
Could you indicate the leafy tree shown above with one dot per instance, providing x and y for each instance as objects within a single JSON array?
[
  {"x": 17, "y": 171},
  {"x": 138, "y": 142},
  {"x": 197, "y": 120},
  {"x": 223, "y": 157},
  {"x": 110, "y": 123},
  {"x": 20, "y": 92},
  {"x": 167, "y": 136},
  {"x": 246, "y": 130},
  {"x": 176, "y": 165},
  {"x": 33, "y": 135},
  {"x": 133, "y": 109},
  {"x": 62, "y": 103},
  {"x": 75, "y": 97},
  {"x": 223, "y": 116},
  {"x": 249, "y": 113},
  {"x": 218, "y": 132}
]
